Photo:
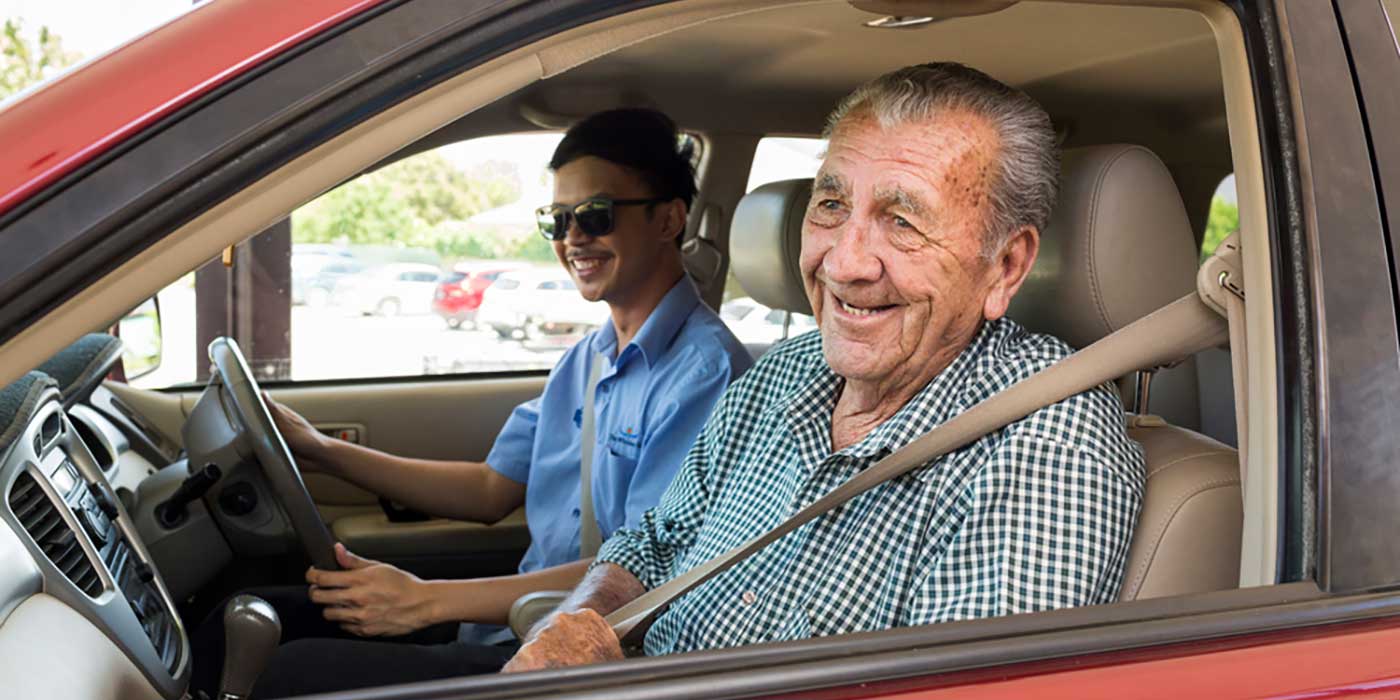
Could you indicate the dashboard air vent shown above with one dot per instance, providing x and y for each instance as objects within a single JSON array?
[{"x": 43, "y": 521}]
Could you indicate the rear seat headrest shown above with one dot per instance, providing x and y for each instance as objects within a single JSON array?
[{"x": 1118, "y": 246}]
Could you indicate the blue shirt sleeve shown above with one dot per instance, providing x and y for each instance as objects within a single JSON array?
[
  {"x": 511, "y": 454},
  {"x": 682, "y": 417}
]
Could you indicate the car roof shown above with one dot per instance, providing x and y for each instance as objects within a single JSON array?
[
  {"x": 84, "y": 113},
  {"x": 537, "y": 274},
  {"x": 392, "y": 268},
  {"x": 478, "y": 266}
]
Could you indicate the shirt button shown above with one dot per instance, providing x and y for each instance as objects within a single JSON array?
[
  {"x": 577, "y": 513},
  {"x": 749, "y": 598}
]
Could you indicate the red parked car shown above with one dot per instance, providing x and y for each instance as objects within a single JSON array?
[
  {"x": 1277, "y": 576},
  {"x": 458, "y": 295}
]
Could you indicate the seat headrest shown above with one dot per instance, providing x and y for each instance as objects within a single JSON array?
[
  {"x": 1118, "y": 246},
  {"x": 765, "y": 244}
]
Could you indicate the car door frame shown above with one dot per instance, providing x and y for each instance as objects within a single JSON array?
[{"x": 1317, "y": 343}]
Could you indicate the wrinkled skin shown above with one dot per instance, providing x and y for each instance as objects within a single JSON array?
[
  {"x": 569, "y": 639},
  {"x": 892, "y": 258}
]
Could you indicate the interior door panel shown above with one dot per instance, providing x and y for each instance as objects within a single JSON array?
[
  {"x": 374, "y": 536},
  {"x": 429, "y": 419},
  {"x": 434, "y": 420}
]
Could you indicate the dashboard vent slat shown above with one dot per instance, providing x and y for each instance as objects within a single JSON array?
[{"x": 44, "y": 522}]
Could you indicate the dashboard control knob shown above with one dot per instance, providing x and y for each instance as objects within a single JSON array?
[
  {"x": 96, "y": 527},
  {"x": 105, "y": 502}
]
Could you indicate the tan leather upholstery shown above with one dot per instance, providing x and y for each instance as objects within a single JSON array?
[
  {"x": 1119, "y": 246},
  {"x": 1188, "y": 535},
  {"x": 765, "y": 243}
]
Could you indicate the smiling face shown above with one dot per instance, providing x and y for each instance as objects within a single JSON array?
[
  {"x": 619, "y": 266},
  {"x": 892, "y": 242}
]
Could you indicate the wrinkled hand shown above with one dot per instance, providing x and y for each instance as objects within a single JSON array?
[
  {"x": 569, "y": 639},
  {"x": 305, "y": 441},
  {"x": 370, "y": 598}
]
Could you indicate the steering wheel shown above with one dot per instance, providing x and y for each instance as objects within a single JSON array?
[{"x": 244, "y": 405}]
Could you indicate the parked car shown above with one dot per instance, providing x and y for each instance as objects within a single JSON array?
[
  {"x": 459, "y": 293},
  {"x": 151, "y": 160},
  {"x": 388, "y": 290},
  {"x": 314, "y": 275},
  {"x": 538, "y": 303},
  {"x": 759, "y": 326}
]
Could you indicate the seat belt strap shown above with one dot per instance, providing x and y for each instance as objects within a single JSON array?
[
  {"x": 1234, "y": 305},
  {"x": 590, "y": 538},
  {"x": 1167, "y": 335}
]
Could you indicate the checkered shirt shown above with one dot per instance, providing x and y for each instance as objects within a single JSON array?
[{"x": 1035, "y": 516}]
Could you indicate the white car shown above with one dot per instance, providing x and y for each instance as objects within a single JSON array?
[
  {"x": 755, "y": 324},
  {"x": 535, "y": 304},
  {"x": 389, "y": 290}
]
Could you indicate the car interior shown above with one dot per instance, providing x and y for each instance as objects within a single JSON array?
[{"x": 132, "y": 512}]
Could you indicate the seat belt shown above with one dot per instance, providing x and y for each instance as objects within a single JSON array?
[
  {"x": 1176, "y": 331},
  {"x": 589, "y": 537},
  {"x": 1224, "y": 271}
]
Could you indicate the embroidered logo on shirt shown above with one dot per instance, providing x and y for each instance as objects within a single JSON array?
[{"x": 625, "y": 443}]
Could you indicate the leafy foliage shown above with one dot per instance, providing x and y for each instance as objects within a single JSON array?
[
  {"x": 1224, "y": 219},
  {"x": 422, "y": 202},
  {"x": 24, "y": 63}
]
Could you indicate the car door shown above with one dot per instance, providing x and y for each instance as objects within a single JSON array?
[{"x": 1319, "y": 620}]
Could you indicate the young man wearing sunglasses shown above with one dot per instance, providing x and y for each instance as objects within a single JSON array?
[{"x": 622, "y": 189}]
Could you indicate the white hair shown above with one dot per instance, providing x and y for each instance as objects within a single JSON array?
[{"x": 1025, "y": 177}]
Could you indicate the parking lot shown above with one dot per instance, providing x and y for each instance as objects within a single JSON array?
[{"x": 334, "y": 343}]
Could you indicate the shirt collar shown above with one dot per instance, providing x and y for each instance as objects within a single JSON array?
[
  {"x": 809, "y": 408},
  {"x": 658, "y": 330}
]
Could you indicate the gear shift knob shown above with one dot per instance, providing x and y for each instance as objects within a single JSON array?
[{"x": 251, "y": 633}]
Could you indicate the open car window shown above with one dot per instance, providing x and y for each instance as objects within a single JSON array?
[{"x": 378, "y": 264}]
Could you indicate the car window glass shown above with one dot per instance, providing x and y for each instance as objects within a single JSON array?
[
  {"x": 375, "y": 278},
  {"x": 1224, "y": 216},
  {"x": 784, "y": 158}
]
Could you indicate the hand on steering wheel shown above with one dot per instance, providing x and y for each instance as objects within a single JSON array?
[{"x": 245, "y": 406}]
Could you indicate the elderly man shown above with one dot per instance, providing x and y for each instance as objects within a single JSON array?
[{"x": 924, "y": 221}]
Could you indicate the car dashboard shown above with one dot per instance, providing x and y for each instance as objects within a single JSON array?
[{"x": 72, "y": 563}]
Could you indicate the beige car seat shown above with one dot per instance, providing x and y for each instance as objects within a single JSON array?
[{"x": 1119, "y": 246}]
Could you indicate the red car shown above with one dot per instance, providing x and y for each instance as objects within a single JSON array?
[
  {"x": 195, "y": 143},
  {"x": 458, "y": 295}
]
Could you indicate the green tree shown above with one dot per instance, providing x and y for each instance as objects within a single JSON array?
[
  {"x": 422, "y": 201},
  {"x": 1224, "y": 219},
  {"x": 24, "y": 63}
]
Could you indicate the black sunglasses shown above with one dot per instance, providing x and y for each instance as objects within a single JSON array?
[{"x": 594, "y": 216}]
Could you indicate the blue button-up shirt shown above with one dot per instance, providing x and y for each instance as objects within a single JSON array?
[{"x": 651, "y": 402}]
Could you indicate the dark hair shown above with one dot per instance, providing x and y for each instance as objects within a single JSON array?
[{"x": 644, "y": 140}]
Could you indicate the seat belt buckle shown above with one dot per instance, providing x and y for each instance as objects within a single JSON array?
[{"x": 1222, "y": 275}]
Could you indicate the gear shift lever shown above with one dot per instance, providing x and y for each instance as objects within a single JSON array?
[{"x": 251, "y": 633}]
